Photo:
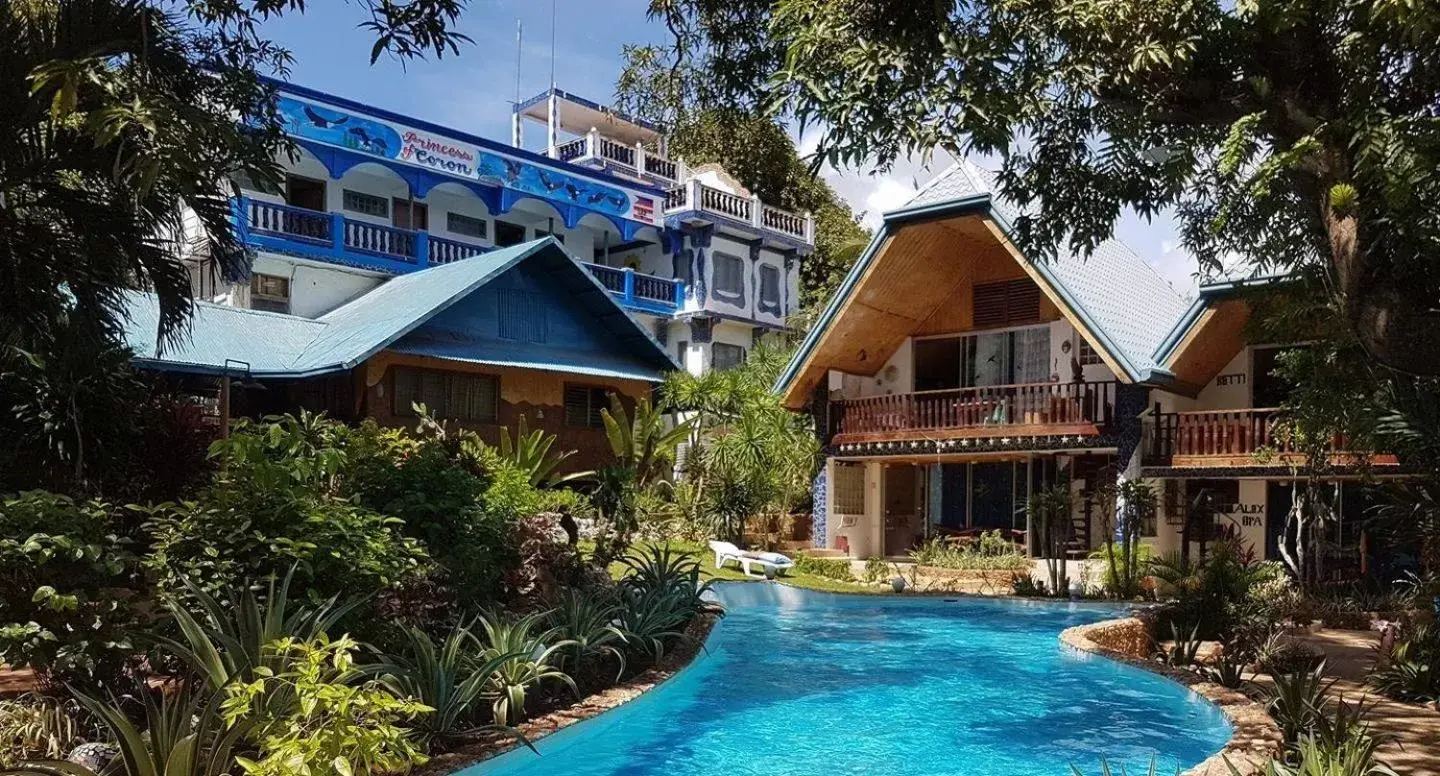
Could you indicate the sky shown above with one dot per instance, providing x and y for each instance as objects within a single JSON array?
[{"x": 473, "y": 91}]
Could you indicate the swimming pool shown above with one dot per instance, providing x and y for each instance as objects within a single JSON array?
[{"x": 799, "y": 683}]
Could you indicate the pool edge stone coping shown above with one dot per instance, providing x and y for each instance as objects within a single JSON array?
[
  {"x": 1255, "y": 739},
  {"x": 490, "y": 747}
]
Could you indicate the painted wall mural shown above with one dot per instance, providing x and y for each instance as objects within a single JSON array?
[
  {"x": 552, "y": 184},
  {"x": 322, "y": 123}
]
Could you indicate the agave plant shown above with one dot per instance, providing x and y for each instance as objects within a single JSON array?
[
  {"x": 523, "y": 660},
  {"x": 228, "y": 642},
  {"x": 1181, "y": 654},
  {"x": 1411, "y": 671},
  {"x": 184, "y": 735},
  {"x": 659, "y": 568},
  {"x": 447, "y": 677},
  {"x": 1297, "y": 702},
  {"x": 653, "y": 618},
  {"x": 586, "y": 619}
]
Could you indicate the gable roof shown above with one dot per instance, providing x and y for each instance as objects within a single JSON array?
[
  {"x": 1118, "y": 298},
  {"x": 285, "y": 346}
]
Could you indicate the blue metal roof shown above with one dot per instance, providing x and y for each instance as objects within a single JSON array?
[
  {"x": 1119, "y": 297},
  {"x": 287, "y": 346}
]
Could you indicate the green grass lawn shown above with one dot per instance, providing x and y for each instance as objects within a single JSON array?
[{"x": 733, "y": 573}]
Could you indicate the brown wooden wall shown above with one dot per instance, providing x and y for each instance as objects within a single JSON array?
[{"x": 537, "y": 394}]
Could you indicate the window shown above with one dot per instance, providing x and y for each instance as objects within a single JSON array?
[
  {"x": 365, "y": 204},
  {"x": 246, "y": 182},
  {"x": 270, "y": 293},
  {"x": 507, "y": 233},
  {"x": 848, "y": 489},
  {"x": 769, "y": 289},
  {"x": 469, "y": 226},
  {"x": 449, "y": 395},
  {"x": 1087, "y": 355},
  {"x": 681, "y": 350},
  {"x": 729, "y": 275},
  {"x": 305, "y": 192},
  {"x": 1006, "y": 303},
  {"x": 583, "y": 404},
  {"x": 411, "y": 215},
  {"x": 723, "y": 356}
]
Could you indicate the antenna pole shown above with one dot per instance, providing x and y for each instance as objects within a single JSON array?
[
  {"x": 552, "y": 44},
  {"x": 516, "y": 135}
]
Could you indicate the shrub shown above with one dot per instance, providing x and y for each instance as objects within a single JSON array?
[
  {"x": 1411, "y": 670},
  {"x": 1026, "y": 585},
  {"x": 338, "y": 724},
  {"x": 38, "y": 727},
  {"x": 1202, "y": 593},
  {"x": 544, "y": 562},
  {"x": 229, "y": 538},
  {"x": 876, "y": 570},
  {"x": 64, "y": 567},
  {"x": 993, "y": 552},
  {"x": 830, "y": 568}
]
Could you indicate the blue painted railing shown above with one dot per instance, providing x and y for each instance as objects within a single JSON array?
[
  {"x": 639, "y": 291},
  {"x": 335, "y": 238}
]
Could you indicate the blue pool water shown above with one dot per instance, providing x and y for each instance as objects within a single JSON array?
[{"x": 798, "y": 683}]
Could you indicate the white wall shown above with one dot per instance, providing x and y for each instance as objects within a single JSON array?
[{"x": 315, "y": 289}]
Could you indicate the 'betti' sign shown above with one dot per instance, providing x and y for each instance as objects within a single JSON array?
[{"x": 437, "y": 153}]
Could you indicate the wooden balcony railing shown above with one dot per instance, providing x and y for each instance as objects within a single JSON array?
[
  {"x": 992, "y": 406},
  {"x": 1228, "y": 438}
]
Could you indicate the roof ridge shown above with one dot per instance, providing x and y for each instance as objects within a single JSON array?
[{"x": 930, "y": 184}]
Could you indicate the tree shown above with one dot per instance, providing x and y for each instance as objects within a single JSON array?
[
  {"x": 746, "y": 453},
  {"x": 124, "y": 122},
  {"x": 1291, "y": 133},
  {"x": 753, "y": 148}
]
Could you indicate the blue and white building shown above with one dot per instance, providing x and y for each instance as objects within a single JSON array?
[{"x": 373, "y": 195}]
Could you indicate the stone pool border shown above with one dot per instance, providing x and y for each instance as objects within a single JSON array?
[
  {"x": 1256, "y": 738},
  {"x": 491, "y": 746}
]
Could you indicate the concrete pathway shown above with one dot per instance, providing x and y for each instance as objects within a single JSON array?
[{"x": 1415, "y": 750}]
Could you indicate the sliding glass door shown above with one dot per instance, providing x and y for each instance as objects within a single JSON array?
[{"x": 983, "y": 359}]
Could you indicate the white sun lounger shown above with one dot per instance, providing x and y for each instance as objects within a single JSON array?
[{"x": 726, "y": 552}]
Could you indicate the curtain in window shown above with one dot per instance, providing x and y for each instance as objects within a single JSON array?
[{"x": 1032, "y": 355}]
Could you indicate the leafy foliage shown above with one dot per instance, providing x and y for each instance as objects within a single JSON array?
[
  {"x": 39, "y": 728},
  {"x": 644, "y": 448},
  {"x": 1411, "y": 669},
  {"x": 992, "y": 552},
  {"x": 1290, "y": 134},
  {"x": 829, "y": 568},
  {"x": 447, "y": 677},
  {"x": 63, "y": 566},
  {"x": 745, "y": 453},
  {"x": 337, "y": 725},
  {"x": 522, "y": 654},
  {"x": 118, "y": 170}
]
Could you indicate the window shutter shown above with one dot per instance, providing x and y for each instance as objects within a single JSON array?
[
  {"x": 989, "y": 305},
  {"x": 577, "y": 405},
  {"x": 1006, "y": 303}
]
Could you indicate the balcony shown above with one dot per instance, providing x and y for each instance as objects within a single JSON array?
[
  {"x": 335, "y": 238},
  {"x": 697, "y": 197},
  {"x": 1234, "y": 438},
  {"x": 597, "y": 150},
  {"x": 994, "y": 410},
  {"x": 638, "y": 291}
]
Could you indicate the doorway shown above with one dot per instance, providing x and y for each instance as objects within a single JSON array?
[
  {"x": 904, "y": 517},
  {"x": 308, "y": 193},
  {"x": 409, "y": 214}
]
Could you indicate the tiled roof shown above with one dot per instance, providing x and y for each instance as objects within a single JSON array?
[
  {"x": 222, "y": 338},
  {"x": 1119, "y": 292}
]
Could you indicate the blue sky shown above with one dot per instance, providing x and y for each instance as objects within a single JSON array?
[{"x": 473, "y": 91}]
